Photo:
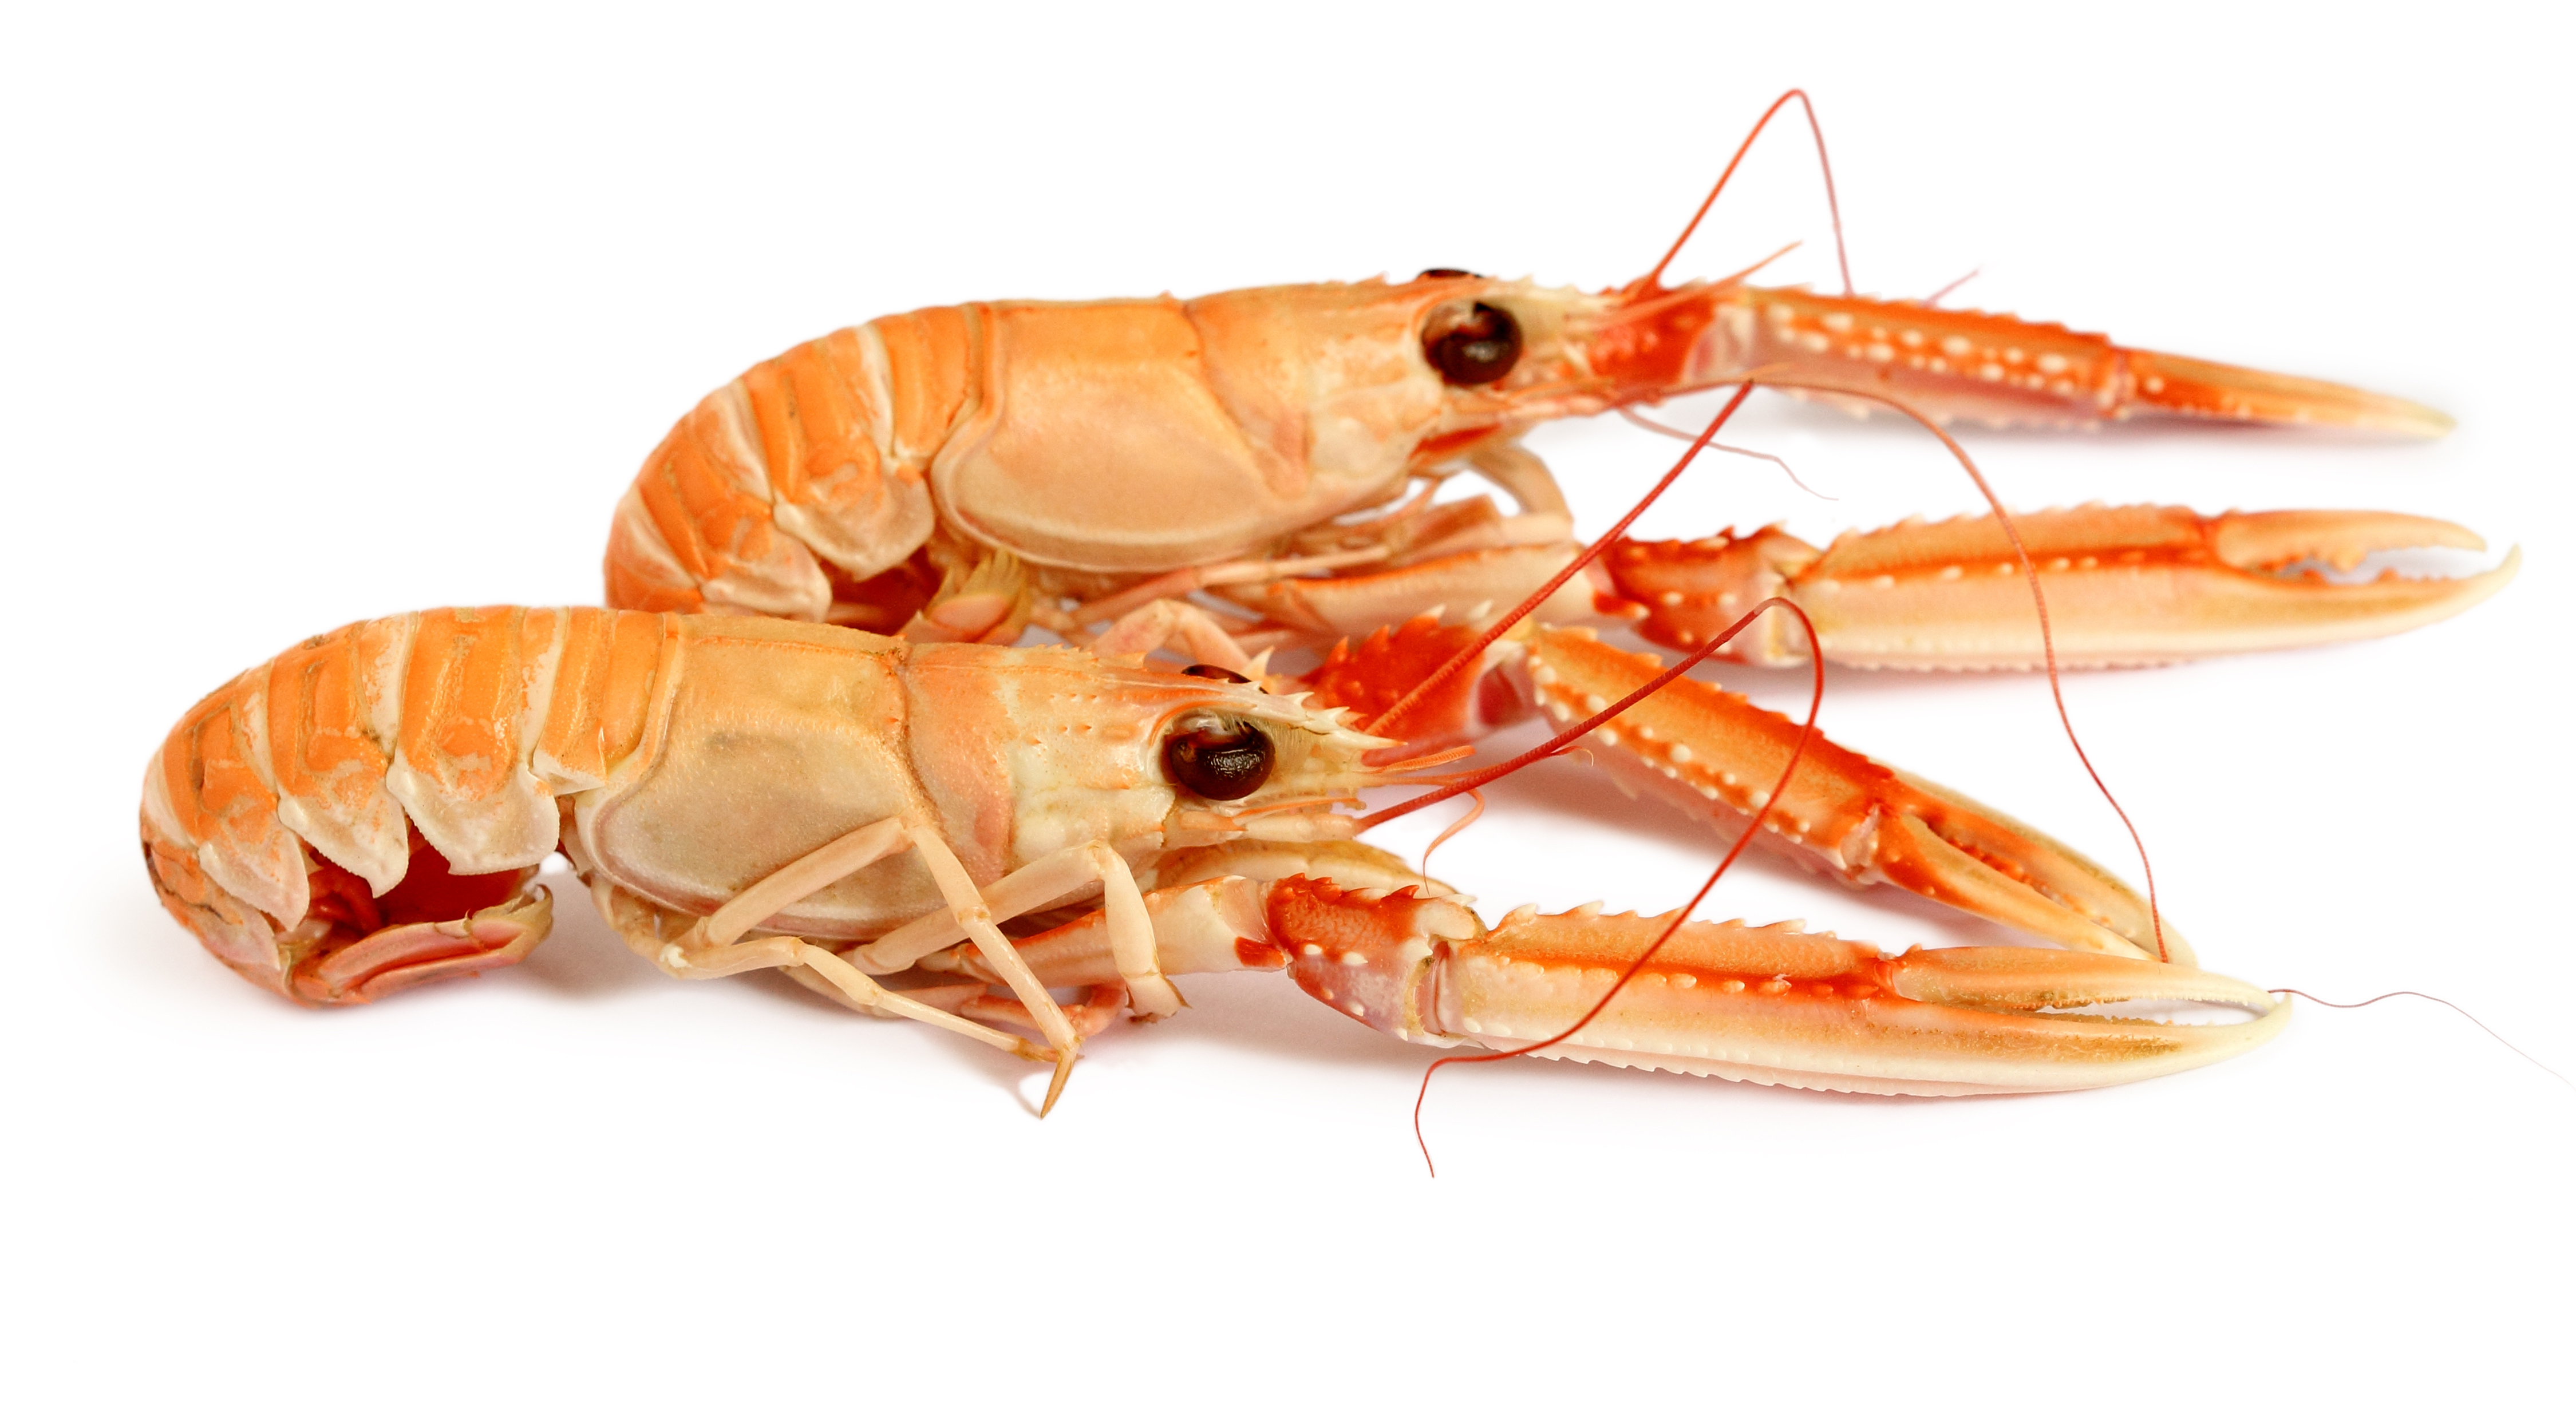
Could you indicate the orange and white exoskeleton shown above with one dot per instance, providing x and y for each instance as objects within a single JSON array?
[
  {"x": 956, "y": 833},
  {"x": 1104, "y": 470},
  {"x": 940, "y": 826}
]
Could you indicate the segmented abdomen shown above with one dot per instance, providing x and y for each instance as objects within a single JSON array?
[
  {"x": 460, "y": 726},
  {"x": 809, "y": 470}
]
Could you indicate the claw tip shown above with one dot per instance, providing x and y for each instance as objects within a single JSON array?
[{"x": 1055, "y": 1086}]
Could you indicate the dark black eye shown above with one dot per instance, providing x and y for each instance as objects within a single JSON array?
[
  {"x": 1473, "y": 345},
  {"x": 1205, "y": 672},
  {"x": 1442, "y": 273},
  {"x": 1219, "y": 761}
]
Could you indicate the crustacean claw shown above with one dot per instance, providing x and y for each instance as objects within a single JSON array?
[
  {"x": 1960, "y": 364},
  {"x": 1773, "y": 1005},
  {"x": 2204, "y": 389},
  {"x": 2126, "y": 586},
  {"x": 1391, "y": 663},
  {"x": 1716, "y": 756}
]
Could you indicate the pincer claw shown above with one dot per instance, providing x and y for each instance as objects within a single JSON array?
[
  {"x": 2128, "y": 586},
  {"x": 2204, "y": 389},
  {"x": 1771, "y": 1005}
]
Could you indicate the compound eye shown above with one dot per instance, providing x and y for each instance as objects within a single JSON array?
[
  {"x": 1222, "y": 761},
  {"x": 1205, "y": 672},
  {"x": 1472, "y": 345},
  {"x": 1443, "y": 273}
]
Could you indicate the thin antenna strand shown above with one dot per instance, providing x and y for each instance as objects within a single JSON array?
[
  {"x": 1659, "y": 427},
  {"x": 1474, "y": 813},
  {"x": 1833, "y": 204},
  {"x": 1476, "y": 648},
  {"x": 1935, "y": 298},
  {"x": 2047, "y": 639},
  {"x": 2428, "y": 996},
  {"x": 1806, "y": 733}
]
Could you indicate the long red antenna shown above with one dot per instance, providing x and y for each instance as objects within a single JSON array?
[
  {"x": 1657, "y": 426},
  {"x": 1806, "y": 732},
  {"x": 1529, "y": 604},
  {"x": 2047, "y": 640},
  {"x": 2442, "y": 1001},
  {"x": 1832, "y": 203}
]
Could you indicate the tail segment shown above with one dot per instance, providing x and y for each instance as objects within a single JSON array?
[
  {"x": 364, "y": 813},
  {"x": 806, "y": 472}
]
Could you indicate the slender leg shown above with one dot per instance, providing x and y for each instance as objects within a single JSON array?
[
  {"x": 977, "y": 918},
  {"x": 1059, "y": 874},
  {"x": 1187, "y": 580},
  {"x": 709, "y": 949},
  {"x": 862, "y": 991},
  {"x": 1100, "y": 1004},
  {"x": 694, "y": 954},
  {"x": 805, "y": 877},
  {"x": 1182, "y": 627},
  {"x": 1099, "y": 1007}
]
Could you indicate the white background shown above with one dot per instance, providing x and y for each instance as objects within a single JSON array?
[{"x": 310, "y": 317}]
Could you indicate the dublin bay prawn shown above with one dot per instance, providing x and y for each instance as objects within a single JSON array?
[
  {"x": 939, "y": 826},
  {"x": 959, "y": 472},
  {"x": 1254, "y": 471},
  {"x": 953, "y": 833}
]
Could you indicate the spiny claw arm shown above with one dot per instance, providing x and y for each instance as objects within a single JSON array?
[
  {"x": 1715, "y": 756},
  {"x": 2126, "y": 586},
  {"x": 1773, "y": 1005},
  {"x": 1995, "y": 369}
]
